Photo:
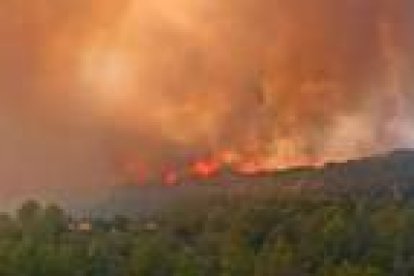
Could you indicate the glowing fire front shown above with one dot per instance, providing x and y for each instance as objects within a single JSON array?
[
  {"x": 208, "y": 168},
  {"x": 247, "y": 86}
]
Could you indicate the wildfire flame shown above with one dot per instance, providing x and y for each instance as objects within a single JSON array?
[{"x": 193, "y": 87}]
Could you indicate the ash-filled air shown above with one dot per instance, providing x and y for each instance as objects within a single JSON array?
[{"x": 273, "y": 83}]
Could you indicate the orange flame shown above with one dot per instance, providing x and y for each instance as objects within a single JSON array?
[
  {"x": 205, "y": 168},
  {"x": 170, "y": 177}
]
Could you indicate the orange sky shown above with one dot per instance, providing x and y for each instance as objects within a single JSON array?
[{"x": 83, "y": 82}]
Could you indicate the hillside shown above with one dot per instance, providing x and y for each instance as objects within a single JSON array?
[
  {"x": 351, "y": 219},
  {"x": 387, "y": 175}
]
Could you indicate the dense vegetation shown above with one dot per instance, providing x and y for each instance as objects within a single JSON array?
[
  {"x": 269, "y": 231},
  {"x": 355, "y": 219}
]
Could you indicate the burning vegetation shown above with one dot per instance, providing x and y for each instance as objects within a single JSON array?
[
  {"x": 255, "y": 86},
  {"x": 185, "y": 87}
]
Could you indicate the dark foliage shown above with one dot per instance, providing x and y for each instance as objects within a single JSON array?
[{"x": 354, "y": 219}]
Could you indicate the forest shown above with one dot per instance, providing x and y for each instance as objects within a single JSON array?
[
  {"x": 283, "y": 231},
  {"x": 351, "y": 219}
]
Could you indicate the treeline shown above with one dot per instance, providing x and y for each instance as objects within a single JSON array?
[{"x": 273, "y": 231}]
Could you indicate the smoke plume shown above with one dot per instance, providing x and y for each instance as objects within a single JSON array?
[{"x": 163, "y": 82}]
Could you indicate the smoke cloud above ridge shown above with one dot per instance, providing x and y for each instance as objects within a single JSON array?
[{"x": 284, "y": 82}]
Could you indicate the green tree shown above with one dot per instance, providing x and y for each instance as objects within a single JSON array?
[
  {"x": 29, "y": 213},
  {"x": 152, "y": 256},
  {"x": 278, "y": 259},
  {"x": 347, "y": 269},
  {"x": 237, "y": 257},
  {"x": 55, "y": 221}
]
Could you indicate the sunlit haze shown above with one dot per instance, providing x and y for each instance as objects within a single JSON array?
[{"x": 94, "y": 93}]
